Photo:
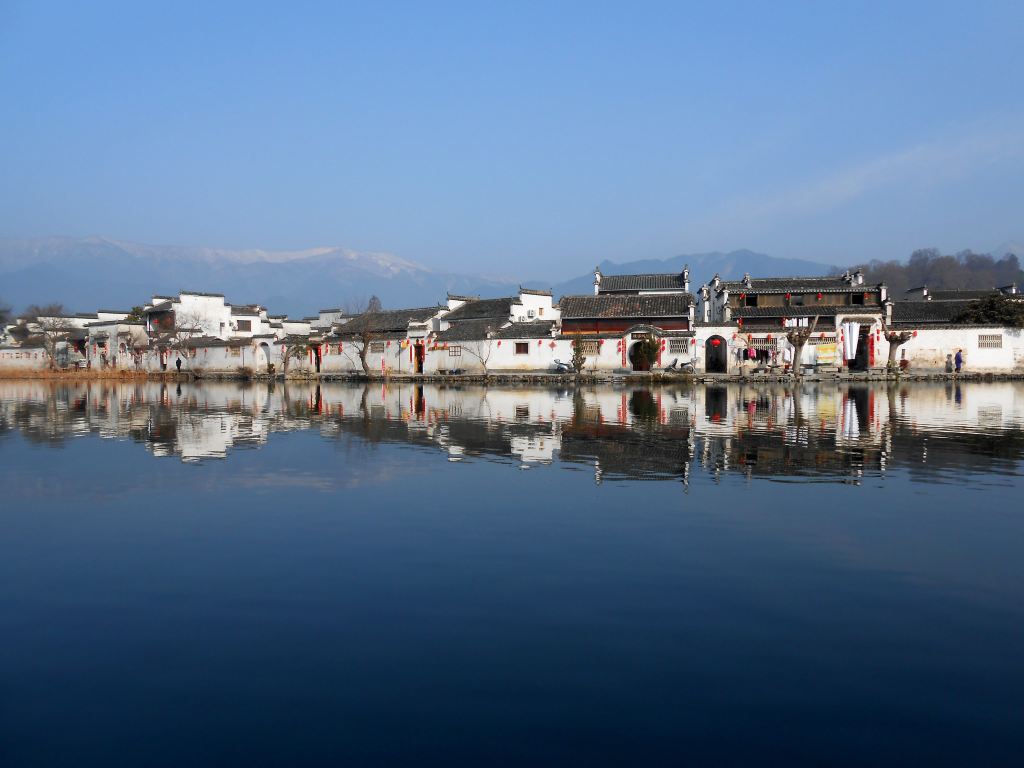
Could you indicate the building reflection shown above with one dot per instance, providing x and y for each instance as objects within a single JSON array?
[{"x": 817, "y": 431}]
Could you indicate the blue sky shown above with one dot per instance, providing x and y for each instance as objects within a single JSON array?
[{"x": 522, "y": 138}]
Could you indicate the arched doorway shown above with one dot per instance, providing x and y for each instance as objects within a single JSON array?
[
  {"x": 642, "y": 354},
  {"x": 265, "y": 349},
  {"x": 716, "y": 358}
]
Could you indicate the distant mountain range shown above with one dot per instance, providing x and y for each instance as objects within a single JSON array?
[{"x": 94, "y": 272}]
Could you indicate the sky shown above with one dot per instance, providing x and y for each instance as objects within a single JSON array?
[{"x": 534, "y": 138}]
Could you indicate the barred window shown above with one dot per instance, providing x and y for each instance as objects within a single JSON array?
[
  {"x": 590, "y": 347},
  {"x": 454, "y": 351},
  {"x": 769, "y": 345},
  {"x": 235, "y": 351},
  {"x": 816, "y": 340},
  {"x": 377, "y": 347},
  {"x": 990, "y": 341},
  {"x": 677, "y": 346}
]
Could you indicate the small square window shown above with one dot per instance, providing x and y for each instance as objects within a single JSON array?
[
  {"x": 750, "y": 301},
  {"x": 522, "y": 348},
  {"x": 857, "y": 298}
]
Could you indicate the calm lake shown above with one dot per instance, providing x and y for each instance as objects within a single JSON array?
[{"x": 395, "y": 574}]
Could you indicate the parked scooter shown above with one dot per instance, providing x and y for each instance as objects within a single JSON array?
[
  {"x": 676, "y": 367},
  {"x": 561, "y": 367}
]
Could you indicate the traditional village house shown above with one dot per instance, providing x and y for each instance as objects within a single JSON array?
[
  {"x": 932, "y": 319},
  {"x": 760, "y": 311},
  {"x": 389, "y": 341},
  {"x": 632, "y": 322},
  {"x": 514, "y": 333}
]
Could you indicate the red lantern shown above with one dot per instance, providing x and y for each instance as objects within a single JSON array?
[
  {"x": 716, "y": 342},
  {"x": 789, "y": 296},
  {"x": 739, "y": 322},
  {"x": 819, "y": 297}
]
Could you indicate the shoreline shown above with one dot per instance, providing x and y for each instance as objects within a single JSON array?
[{"x": 516, "y": 378}]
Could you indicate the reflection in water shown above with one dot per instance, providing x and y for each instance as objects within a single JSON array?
[{"x": 820, "y": 431}]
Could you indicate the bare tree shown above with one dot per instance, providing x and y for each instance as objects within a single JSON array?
[
  {"x": 798, "y": 337},
  {"x": 54, "y": 328},
  {"x": 293, "y": 349},
  {"x": 896, "y": 340},
  {"x": 181, "y": 337},
  {"x": 480, "y": 350},
  {"x": 360, "y": 334}
]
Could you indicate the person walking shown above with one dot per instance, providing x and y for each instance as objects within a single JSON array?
[
  {"x": 177, "y": 364},
  {"x": 958, "y": 361}
]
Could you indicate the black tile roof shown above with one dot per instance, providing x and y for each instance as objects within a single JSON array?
[
  {"x": 836, "y": 284},
  {"x": 535, "y": 330},
  {"x": 625, "y": 306},
  {"x": 480, "y": 308},
  {"x": 809, "y": 311},
  {"x": 934, "y": 311},
  {"x": 644, "y": 282},
  {"x": 393, "y": 320},
  {"x": 246, "y": 309},
  {"x": 472, "y": 330},
  {"x": 953, "y": 294}
]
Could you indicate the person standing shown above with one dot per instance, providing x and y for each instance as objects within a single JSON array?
[
  {"x": 958, "y": 361},
  {"x": 949, "y": 363},
  {"x": 177, "y": 364}
]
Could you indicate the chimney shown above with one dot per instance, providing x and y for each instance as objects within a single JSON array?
[
  {"x": 597, "y": 280},
  {"x": 716, "y": 281},
  {"x": 858, "y": 277},
  {"x": 686, "y": 278},
  {"x": 746, "y": 280}
]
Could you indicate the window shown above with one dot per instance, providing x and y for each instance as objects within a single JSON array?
[
  {"x": 522, "y": 347},
  {"x": 454, "y": 351},
  {"x": 591, "y": 348},
  {"x": 856, "y": 298},
  {"x": 522, "y": 413},
  {"x": 796, "y": 300},
  {"x": 530, "y": 313},
  {"x": 990, "y": 341},
  {"x": 245, "y": 325},
  {"x": 677, "y": 346},
  {"x": 377, "y": 347},
  {"x": 540, "y": 312},
  {"x": 823, "y": 340},
  {"x": 235, "y": 351},
  {"x": 750, "y": 300}
]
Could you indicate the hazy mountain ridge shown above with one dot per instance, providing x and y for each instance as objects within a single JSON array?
[{"x": 95, "y": 272}]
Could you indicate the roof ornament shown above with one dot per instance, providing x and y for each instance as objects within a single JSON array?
[{"x": 747, "y": 283}]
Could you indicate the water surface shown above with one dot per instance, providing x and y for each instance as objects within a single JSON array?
[{"x": 214, "y": 574}]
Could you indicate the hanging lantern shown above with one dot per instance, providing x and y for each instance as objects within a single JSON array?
[
  {"x": 789, "y": 296},
  {"x": 716, "y": 342},
  {"x": 539, "y": 342},
  {"x": 819, "y": 296}
]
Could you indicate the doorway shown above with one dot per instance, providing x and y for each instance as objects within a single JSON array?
[
  {"x": 861, "y": 360},
  {"x": 419, "y": 353},
  {"x": 716, "y": 358},
  {"x": 642, "y": 354}
]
